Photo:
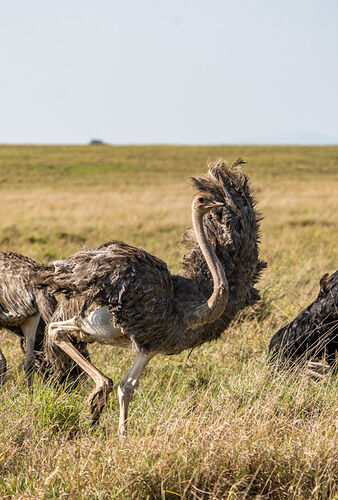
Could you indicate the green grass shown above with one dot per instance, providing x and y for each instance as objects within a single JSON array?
[
  {"x": 218, "y": 424},
  {"x": 75, "y": 166}
]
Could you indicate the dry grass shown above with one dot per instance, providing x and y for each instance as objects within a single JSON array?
[{"x": 219, "y": 425}]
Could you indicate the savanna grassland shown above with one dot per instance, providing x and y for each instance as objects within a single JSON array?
[{"x": 219, "y": 424}]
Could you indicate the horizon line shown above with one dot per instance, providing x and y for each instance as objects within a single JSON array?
[{"x": 176, "y": 144}]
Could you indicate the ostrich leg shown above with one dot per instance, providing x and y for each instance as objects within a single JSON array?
[
  {"x": 3, "y": 367},
  {"x": 58, "y": 333},
  {"x": 29, "y": 327},
  {"x": 127, "y": 387}
]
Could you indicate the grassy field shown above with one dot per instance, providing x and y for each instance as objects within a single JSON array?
[{"x": 216, "y": 425}]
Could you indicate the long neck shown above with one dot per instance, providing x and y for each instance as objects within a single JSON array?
[{"x": 214, "y": 307}]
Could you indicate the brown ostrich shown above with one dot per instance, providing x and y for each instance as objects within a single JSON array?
[
  {"x": 128, "y": 297},
  {"x": 24, "y": 309}
]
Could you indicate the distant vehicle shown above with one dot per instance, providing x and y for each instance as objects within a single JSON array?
[{"x": 94, "y": 142}]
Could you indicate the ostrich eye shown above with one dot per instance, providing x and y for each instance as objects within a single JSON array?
[{"x": 201, "y": 200}]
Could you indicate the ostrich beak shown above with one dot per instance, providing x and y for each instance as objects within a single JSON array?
[{"x": 215, "y": 204}]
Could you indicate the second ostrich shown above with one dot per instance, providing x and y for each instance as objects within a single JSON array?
[
  {"x": 24, "y": 309},
  {"x": 129, "y": 298},
  {"x": 314, "y": 332}
]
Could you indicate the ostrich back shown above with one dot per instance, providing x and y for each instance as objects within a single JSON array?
[
  {"x": 315, "y": 330},
  {"x": 150, "y": 305}
]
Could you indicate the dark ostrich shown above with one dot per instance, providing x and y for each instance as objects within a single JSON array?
[
  {"x": 314, "y": 333},
  {"x": 126, "y": 297}
]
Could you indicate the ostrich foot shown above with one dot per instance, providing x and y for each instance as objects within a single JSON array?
[{"x": 98, "y": 399}]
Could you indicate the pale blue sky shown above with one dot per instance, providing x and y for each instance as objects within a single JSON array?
[{"x": 175, "y": 71}]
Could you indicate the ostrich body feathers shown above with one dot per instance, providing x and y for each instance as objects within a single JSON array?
[{"x": 19, "y": 298}]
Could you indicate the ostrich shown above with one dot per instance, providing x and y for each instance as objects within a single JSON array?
[
  {"x": 129, "y": 298},
  {"x": 314, "y": 332},
  {"x": 24, "y": 309}
]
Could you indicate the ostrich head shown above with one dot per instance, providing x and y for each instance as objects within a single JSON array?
[{"x": 202, "y": 203}]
